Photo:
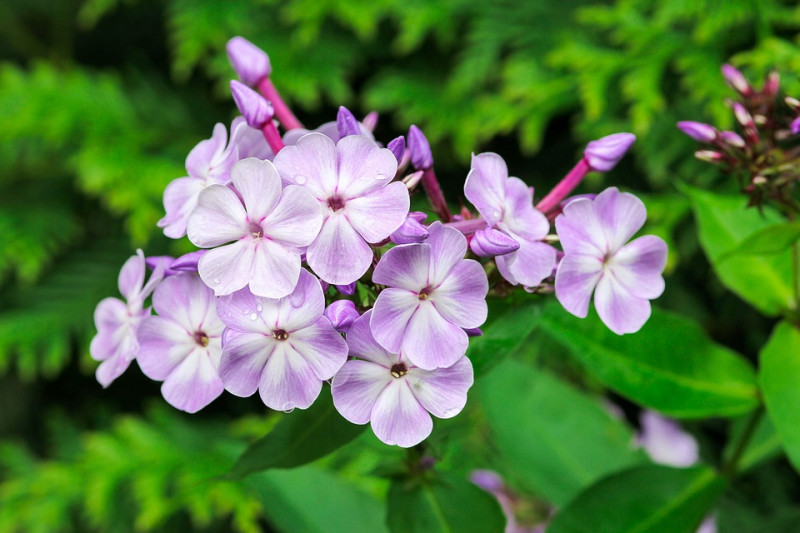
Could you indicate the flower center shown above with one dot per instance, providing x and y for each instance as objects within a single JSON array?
[
  {"x": 255, "y": 230},
  {"x": 335, "y": 203},
  {"x": 280, "y": 334},
  {"x": 424, "y": 293},
  {"x": 201, "y": 338},
  {"x": 399, "y": 370}
]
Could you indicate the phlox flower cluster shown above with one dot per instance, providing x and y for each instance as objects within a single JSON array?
[{"x": 311, "y": 268}]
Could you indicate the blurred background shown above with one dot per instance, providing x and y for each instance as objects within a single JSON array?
[{"x": 101, "y": 100}]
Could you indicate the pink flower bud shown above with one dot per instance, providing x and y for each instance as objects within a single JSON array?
[
  {"x": 397, "y": 147},
  {"x": 250, "y": 62},
  {"x": 420, "y": 149},
  {"x": 255, "y": 109},
  {"x": 342, "y": 314},
  {"x": 347, "y": 123},
  {"x": 490, "y": 242},
  {"x": 743, "y": 115},
  {"x": 371, "y": 120},
  {"x": 698, "y": 131},
  {"x": 773, "y": 84},
  {"x": 731, "y": 138},
  {"x": 604, "y": 154},
  {"x": 735, "y": 79},
  {"x": 708, "y": 155}
]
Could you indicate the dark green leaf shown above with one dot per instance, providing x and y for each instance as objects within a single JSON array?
[
  {"x": 644, "y": 499},
  {"x": 556, "y": 440},
  {"x": 767, "y": 241},
  {"x": 505, "y": 335},
  {"x": 669, "y": 365},
  {"x": 764, "y": 444},
  {"x": 447, "y": 505},
  {"x": 301, "y": 437}
]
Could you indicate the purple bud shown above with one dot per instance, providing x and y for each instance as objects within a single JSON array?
[
  {"x": 412, "y": 230},
  {"x": 732, "y": 138},
  {"x": 773, "y": 84},
  {"x": 735, "y": 79},
  {"x": 397, "y": 147},
  {"x": 708, "y": 155},
  {"x": 187, "y": 262},
  {"x": 419, "y": 148},
  {"x": 795, "y": 126},
  {"x": 342, "y": 314},
  {"x": 255, "y": 109},
  {"x": 249, "y": 61},
  {"x": 698, "y": 131},
  {"x": 412, "y": 179},
  {"x": 490, "y": 242},
  {"x": 488, "y": 480},
  {"x": 370, "y": 121},
  {"x": 604, "y": 154},
  {"x": 743, "y": 115},
  {"x": 473, "y": 332},
  {"x": 347, "y": 290},
  {"x": 347, "y": 123}
]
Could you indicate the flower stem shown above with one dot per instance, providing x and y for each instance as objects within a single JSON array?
[
  {"x": 272, "y": 136},
  {"x": 731, "y": 465},
  {"x": 282, "y": 111},
  {"x": 564, "y": 187},
  {"x": 435, "y": 194}
]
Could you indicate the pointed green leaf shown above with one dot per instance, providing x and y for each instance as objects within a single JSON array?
[
  {"x": 773, "y": 239},
  {"x": 507, "y": 333}
]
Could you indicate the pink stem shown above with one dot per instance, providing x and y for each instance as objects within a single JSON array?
[
  {"x": 467, "y": 227},
  {"x": 435, "y": 194},
  {"x": 272, "y": 136},
  {"x": 282, "y": 111},
  {"x": 564, "y": 187}
]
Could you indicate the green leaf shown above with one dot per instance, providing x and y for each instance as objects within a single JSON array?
[
  {"x": 313, "y": 500},
  {"x": 780, "y": 382},
  {"x": 669, "y": 365},
  {"x": 447, "y": 504},
  {"x": 768, "y": 241},
  {"x": 556, "y": 439},
  {"x": 301, "y": 437},
  {"x": 505, "y": 335},
  {"x": 725, "y": 225},
  {"x": 764, "y": 444},
  {"x": 644, "y": 499}
]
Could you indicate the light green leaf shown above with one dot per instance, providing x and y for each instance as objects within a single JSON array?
[{"x": 767, "y": 241}]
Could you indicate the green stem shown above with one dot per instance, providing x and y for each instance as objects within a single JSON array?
[{"x": 729, "y": 469}]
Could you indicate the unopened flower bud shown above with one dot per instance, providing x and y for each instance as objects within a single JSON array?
[
  {"x": 758, "y": 181},
  {"x": 397, "y": 147},
  {"x": 743, "y": 115},
  {"x": 255, "y": 109},
  {"x": 604, "y": 154},
  {"x": 795, "y": 126},
  {"x": 370, "y": 121},
  {"x": 708, "y": 155},
  {"x": 490, "y": 242},
  {"x": 412, "y": 230},
  {"x": 250, "y": 62},
  {"x": 412, "y": 179},
  {"x": 347, "y": 290},
  {"x": 473, "y": 332},
  {"x": 736, "y": 80},
  {"x": 731, "y": 138},
  {"x": 698, "y": 131},
  {"x": 773, "y": 84},
  {"x": 342, "y": 314},
  {"x": 419, "y": 148},
  {"x": 794, "y": 103},
  {"x": 346, "y": 123}
]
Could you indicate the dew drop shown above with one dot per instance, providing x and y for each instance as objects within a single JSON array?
[
  {"x": 496, "y": 213},
  {"x": 217, "y": 281},
  {"x": 253, "y": 316},
  {"x": 380, "y": 177},
  {"x": 259, "y": 308},
  {"x": 300, "y": 180}
]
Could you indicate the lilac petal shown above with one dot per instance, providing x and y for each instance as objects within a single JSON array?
[
  {"x": 194, "y": 383},
  {"x": 228, "y": 268},
  {"x": 412, "y": 230},
  {"x": 448, "y": 246},
  {"x": 420, "y": 149},
  {"x": 243, "y": 360},
  {"x": 110, "y": 314},
  {"x": 398, "y": 418},
  {"x": 488, "y": 242},
  {"x": 604, "y": 153},
  {"x": 485, "y": 185},
  {"x": 363, "y": 167},
  {"x": 185, "y": 299},
  {"x": 249, "y": 61},
  {"x": 311, "y": 163},
  {"x": 339, "y": 255},
  {"x": 200, "y": 158},
  {"x": 275, "y": 271},
  {"x": 520, "y": 217},
  {"x": 580, "y": 231},
  {"x": 218, "y": 218},
  {"x": 398, "y": 147},
  {"x": 392, "y": 311},
  {"x": 131, "y": 276},
  {"x": 346, "y": 123},
  {"x": 187, "y": 262},
  {"x": 431, "y": 341},
  {"x": 180, "y": 199},
  {"x": 249, "y": 142},
  {"x": 621, "y": 311},
  {"x": 461, "y": 298},
  {"x": 405, "y": 266},
  {"x": 288, "y": 381},
  {"x": 259, "y": 184},
  {"x": 239, "y": 312},
  {"x": 638, "y": 265},
  {"x": 620, "y": 215},
  {"x": 296, "y": 220},
  {"x": 342, "y": 314},
  {"x": 356, "y": 388},
  {"x": 576, "y": 278},
  {"x": 301, "y": 308},
  {"x": 163, "y": 344},
  {"x": 362, "y": 344},
  {"x": 795, "y": 126},
  {"x": 698, "y": 131},
  {"x": 321, "y": 346},
  {"x": 665, "y": 442},
  {"x": 378, "y": 214},
  {"x": 111, "y": 369},
  {"x": 442, "y": 392},
  {"x": 532, "y": 263}
]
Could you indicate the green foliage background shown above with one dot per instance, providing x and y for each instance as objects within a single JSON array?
[{"x": 101, "y": 100}]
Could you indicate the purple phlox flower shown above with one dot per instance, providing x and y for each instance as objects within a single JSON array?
[
  {"x": 395, "y": 396},
  {"x": 698, "y": 131},
  {"x": 342, "y": 314},
  {"x": 665, "y": 442},
  {"x": 413, "y": 230},
  {"x": 207, "y": 164},
  {"x": 182, "y": 345},
  {"x": 507, "y": 206},
  {"x": 731, "y": 138},
  {"x": 285, "y": 348},
  {"x": 604, "y": 154},
  {"x": 491, "y": 482},
  {"x": 397, "y": 147},
  {"x": 249, "y": 142},
  {"x": 346, "y": 123},
  {"x": 593, "y": 234},
  {"x": 267, "y": 227},
  {"x": 328, "y": 129},
  {"x": 351, "y": 180},
  {"x": 419, "y": 149},
  {"x": 795, "y": 126},
  {"x": 489, "y": 242},
  {"x": 433, "y": 294},
  {"x": 255, "y": 109},
  {"x": 736, "y": 79},
  {"x": 249, "y": 61},
  {"x": 118, "y": 322}
]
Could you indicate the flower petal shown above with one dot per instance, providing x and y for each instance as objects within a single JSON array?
[
  {"x": 180, "y": 199},
  {"x": 163, "y": 345},
  {"x": 194, "y": 384},
  {"x": 311, "y": 163},
  {"x": 131, "y": 276},
  {"x": 187, "y": 300},
  {"x": 621, "y": 215},
  {"x": 430, "y": 341},
  {"x": 520, "y": 218},
  {"x": 580, "y": 231},
  {"x": 363, "y": 166},
  {"x": 301, "y": 308},
  {"x": 296, "y": 219},
  {"x": 218, "y": 218},
  {"x": 406, "y": 266},
  {"x": 448, "y": 247},
  {"x": 275, "y": 271},
  {"x": 228, "y": 268},
  {"x": 240, "y": 311},
  {"x": 199, "y": 159},
  {"x": 356, "y": 388},
  {"x": 111, "y": 369},
  {"x": 638, "y": 265},
  {"x": 398, "y": 418},
  {"x": 485, "y": 185},
  {"x": 243, "y": 360},
  {"x": 378, "y": 214},
  {"x": 390, "y": 316},
  {"x": 288, "y": 380},
  {"x": 363, "y": 345},
  {"x": 259, "y": 184},
  {"x": 461, "y": 297},
  {"x": 532, "y": 263},
  {"x": 442, "y": 392},
  {"x": 339, "y": 255},
  {"x": 621, "y": 311},
  {"x": 321, "y": 346},
  {"x": 576, "y": 278}
]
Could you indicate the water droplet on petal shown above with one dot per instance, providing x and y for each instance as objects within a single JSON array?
[
  {"x": 300, "y": 180},
  {"x": 253, "y": 316},
  {"x": 496, "y": 213},
  {"x": 380, "y": 177},
  {"x": 217, "y": 281},
  {"x": 259, "y": 308}
]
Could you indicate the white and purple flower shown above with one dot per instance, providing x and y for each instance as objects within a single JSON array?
[
  {"x": 269, "y": 225},
  {"x": 283, "y": 348},
  {"x": 396, "y": 397},
  {"x": 593, "y": 234},
  {"x": 182, "y": 345},
  {"x": 433, "y": 294},
  {"x": 351, "y": 180}
]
